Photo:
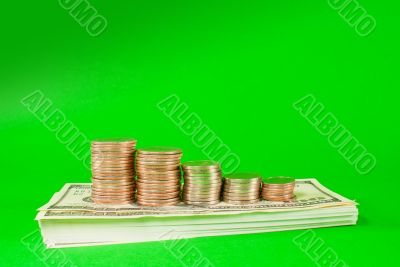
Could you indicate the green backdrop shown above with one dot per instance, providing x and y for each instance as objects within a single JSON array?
[{"x": 238, "y": 65}]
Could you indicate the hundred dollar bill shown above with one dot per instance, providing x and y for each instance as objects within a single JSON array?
[{"x": 74, "y": 201}]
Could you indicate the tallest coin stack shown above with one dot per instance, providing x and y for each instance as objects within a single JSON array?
[{"x": 113, "y": 171}]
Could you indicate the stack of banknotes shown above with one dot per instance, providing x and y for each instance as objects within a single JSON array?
[{"x": 71, "y": 219}]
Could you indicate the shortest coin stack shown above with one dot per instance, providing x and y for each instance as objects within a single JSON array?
[
  {"x": 242, "y": 188},
  {"x": 112, "y": 171},
  {"x": 203, "y": 181},
  {"x": 279, "y": 188}
]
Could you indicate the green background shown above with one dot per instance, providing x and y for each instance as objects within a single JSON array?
[{"x": 239, "y": 65}]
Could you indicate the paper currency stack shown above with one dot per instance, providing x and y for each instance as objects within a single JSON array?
[{"x": 71, "y": 219}]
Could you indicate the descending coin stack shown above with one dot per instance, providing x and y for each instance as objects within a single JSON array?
[
  {"x": 279, "y": 188},
  {"x": 242, "y": 188},
  {"x": 113, "y": 171},
  {"x": 202, "y": 182},
  {"x": 158, "y": 176}
]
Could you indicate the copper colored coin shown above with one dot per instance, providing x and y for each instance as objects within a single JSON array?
[
  {"x": 173, "y": 158},
  {"x": 112, "y": 193},
  {"x": 116, "y": 181},
  {"x": 158, "y": 174},
  {"x": 150, "y": 171},
  {"x": 155, "y": 198},
  {"x": 227, "y": 199},
  {"x": 116, "y": 178},
  {"x": 253, "y": 187},
  {"x": 113, "y": 198},
  {"x": 203, "y": 183},
  {"x": 242, "y": 202},
  {"x": 266, "y": 187},
  {"x": 112, "y": 155},
  {"x": 159, "y": 150},
  {"x": 113, "y": 184},
  {"x": 196, "y": 193},
  {"x": 172, "y": 201},
  {"x": 100, "y": 202},
  {"x": 112, "y": 202},
  {"x": 202, "y": 188},
  {"x": 113, "y": 171},
  {"x": 126, "y": 187},
  {"x": 158, "y": 169},
  {"x": 158, "y": 204},
  {"x": 215, "y": 193},
  {"x": 99, "y": 165},
  {"x": 112, "y": 162},
  {"x": 158, "y": 162},
  {"x": 278, "y": 193},
  {"x": 290, "y": 195},
  {"x": 158, "y": 183},
  {"x": 279, "y": 199},
  {"x": 106, "y": 168},
  {"x": 248, "y": 195},
  {"x": 98, "y": 186},
  {"x": 152, "y": 191},
  {"x": 112, "y": 177},
  {"x": 201, "y": 203},
  {"x": 142, "y": 166},
  {"x": 112, "y": 148},
  {"x": 158, "y": 178},
  {"x": 242, "y": 182},
  {"x": 161, "y": 179},
  {"x": 200, "y": 171},
  {"x": 201, "y": 198},
  {"x": 240, "y": 191},
  {"x": 112, "y": 158},
  {"x": 172, "y": 183},
  {"x": 159, "y": 195},
  {"x": 201, "y": 175},
  {"x": 167, "y": 188}
]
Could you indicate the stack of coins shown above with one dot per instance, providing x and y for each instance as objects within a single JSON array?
[
  {"x": 113, "y": 171},
  {"x": 158, "y": 176},
  {"x": 242, "y": 188},
  {"x": 279, "y": 188},
  {"x": 202, "y": 182}
]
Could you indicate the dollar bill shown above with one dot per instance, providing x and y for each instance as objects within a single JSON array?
[{"x": 74, "y": 201}]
